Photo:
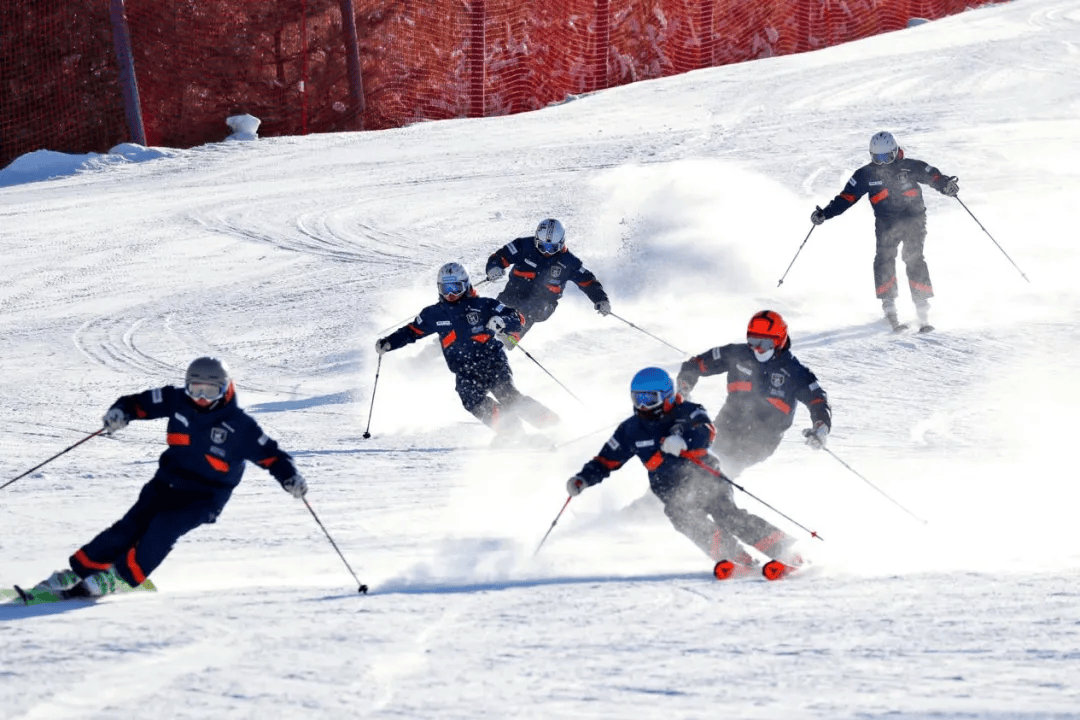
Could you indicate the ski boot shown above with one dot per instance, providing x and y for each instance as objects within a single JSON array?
[
  {"x": 97, "y": 585},
  {"x": 59, "y": 581},
  {"x": 888, "y": 306}
]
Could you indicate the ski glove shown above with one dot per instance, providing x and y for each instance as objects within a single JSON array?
[
  {"x": 951, "y": 188},
  {"x": 575, "y": 485},
  {"x": 494, "y": 273},
  {"x": 496, "y": 325},
  {"x": 684, "y": 388},
  {"x": 603, "y": 307},
  {"x": 115, "y": 420},
  {"x": 817, "y": 435},
  {"x": 295, "y": 486},
  {"x": 818, "y": 216},
  {"x": 382, "y": 346},
  {"x": 673, "y": 445}
]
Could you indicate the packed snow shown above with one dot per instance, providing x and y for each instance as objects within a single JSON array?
[{"x": 943, "y": 585}]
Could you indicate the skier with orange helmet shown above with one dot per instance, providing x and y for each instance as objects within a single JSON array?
[{"x": 765, "y": 381}]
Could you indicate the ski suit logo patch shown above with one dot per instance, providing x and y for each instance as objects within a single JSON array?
[
  {"x": 777, "y": 379},
  {"x": 218, "y": 435},
  {"x": 473, "y": 318}
]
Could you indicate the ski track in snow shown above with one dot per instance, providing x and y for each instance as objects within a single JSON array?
[{"x": 688, "y": 197}]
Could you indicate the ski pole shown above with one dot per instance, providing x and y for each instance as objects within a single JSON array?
[
  {"x": 796, "y": 256},
  {"x": 515, "y": 344},
  {"x": 991, "y": 237},
  {"x": 568, "y": 499},
  {"x": 859, "y": 475},
  {"x": 363, "y": 588},
  {"x": 731, "y": 482},
  {"x": 67, "y": 449},
  {"x": 646, "y": 332},
  {"x": 374, "y": 386}
]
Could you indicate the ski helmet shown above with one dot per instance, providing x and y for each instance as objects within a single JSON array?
[
  {"x": 766, "y": 334},
  {"x": 550, "y": 237},
  {"x": 883, "y": 148},
  {"x": 453, "y": 282},
  {"x": 652, "y": 392},
  {"x": 207, "y": 381}
]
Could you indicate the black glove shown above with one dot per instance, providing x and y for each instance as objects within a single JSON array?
[
  {"x": 951, "y": 187},
  {"x": 818, "y": 216}
]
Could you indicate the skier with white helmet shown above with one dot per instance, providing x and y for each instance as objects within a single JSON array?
[
  {"x": 540, "y": 267},
  {"x": 472, "y": 331},
  {"x": 892, "y": 182},
  {"x": 209, "y": 439},
  {"x": 672, "y": 436}
]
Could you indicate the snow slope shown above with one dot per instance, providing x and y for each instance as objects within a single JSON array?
[{"x": 688, "y": 197}]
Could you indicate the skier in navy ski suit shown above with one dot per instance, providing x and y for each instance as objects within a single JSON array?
[
  {"x": 764, "y": 382},
  {"x": 542, "y": 266},
  {"x": 892, "y": 182},
  {"x": 472, "y": 330},
  {"x": 671, "y": 437},
  {"x": 209, "y": 439}
]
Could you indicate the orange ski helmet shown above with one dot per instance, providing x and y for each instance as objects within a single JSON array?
[{"x": 768, "y": 325}]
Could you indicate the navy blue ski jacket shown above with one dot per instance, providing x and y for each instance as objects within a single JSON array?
[
  {"x": 641, "y": 437},
  {"x": 467, "y": 345},
  {"x": 537, "y": 281},
  {"x": 207, "y": 448},
  {"x": 761, "y": 395},
  {"x": 893, "y": 188}
]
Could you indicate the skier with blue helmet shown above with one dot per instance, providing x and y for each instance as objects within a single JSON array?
[{"x": 671, "y": 436}]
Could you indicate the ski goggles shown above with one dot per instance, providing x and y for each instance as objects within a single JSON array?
[
  {"x": 883, "y": 158},
  {"x": 548, "y": 247},
  {"x": 760, "y": 344},
  {"x": 450, "y": 288},
  {"x": 647, "y": 399},
  {"x": 205, "y": 390}
]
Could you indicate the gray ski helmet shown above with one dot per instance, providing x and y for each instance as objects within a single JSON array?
[
  {"x": 203, "y": 375},
  {"x": 550, "y": 237},
  {"x": 883, "y": 148},
  {"x": 453, "y": 282}
]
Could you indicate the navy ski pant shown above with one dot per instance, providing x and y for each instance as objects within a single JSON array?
[
  {"x": 891, "y": 234},
  {"x": 138, "y": 542}
]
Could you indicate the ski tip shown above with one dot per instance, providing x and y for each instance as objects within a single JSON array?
[
  {"x": 776, "y": 570},
  {"x": 727, "y": 569},
  {"x": 723, "y": 570}
]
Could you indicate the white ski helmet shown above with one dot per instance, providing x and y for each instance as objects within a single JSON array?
[
  {"x": 207, "y": 379},
  {"x": 883, "y": 148},
  {"x": 453, "y": 282},
  {"x": 550, "y": 237}
]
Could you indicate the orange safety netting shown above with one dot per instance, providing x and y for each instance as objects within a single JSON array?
[{"x": 294, "y": 64}]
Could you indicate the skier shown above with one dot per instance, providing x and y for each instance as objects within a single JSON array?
[
  {"x": 764, "y": 382},
  {"x": 542, "y": 266},
  {"x": 671, "y": 436},
  {"x": 473, "y": 330},
  {"x": 209, "y": 438},
  {"x": 899, "y": 217}
]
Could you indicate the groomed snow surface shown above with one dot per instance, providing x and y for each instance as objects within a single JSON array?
[{"x": 688, "y": 197}]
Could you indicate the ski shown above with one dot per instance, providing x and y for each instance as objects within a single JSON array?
[
  {"x": 772, "y": 570},
  {"x": 42, "y": 596},
  {"x": 776, "y": 570}
]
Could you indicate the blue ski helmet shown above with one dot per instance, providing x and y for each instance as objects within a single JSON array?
[{"x": 652, "y": 392}]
